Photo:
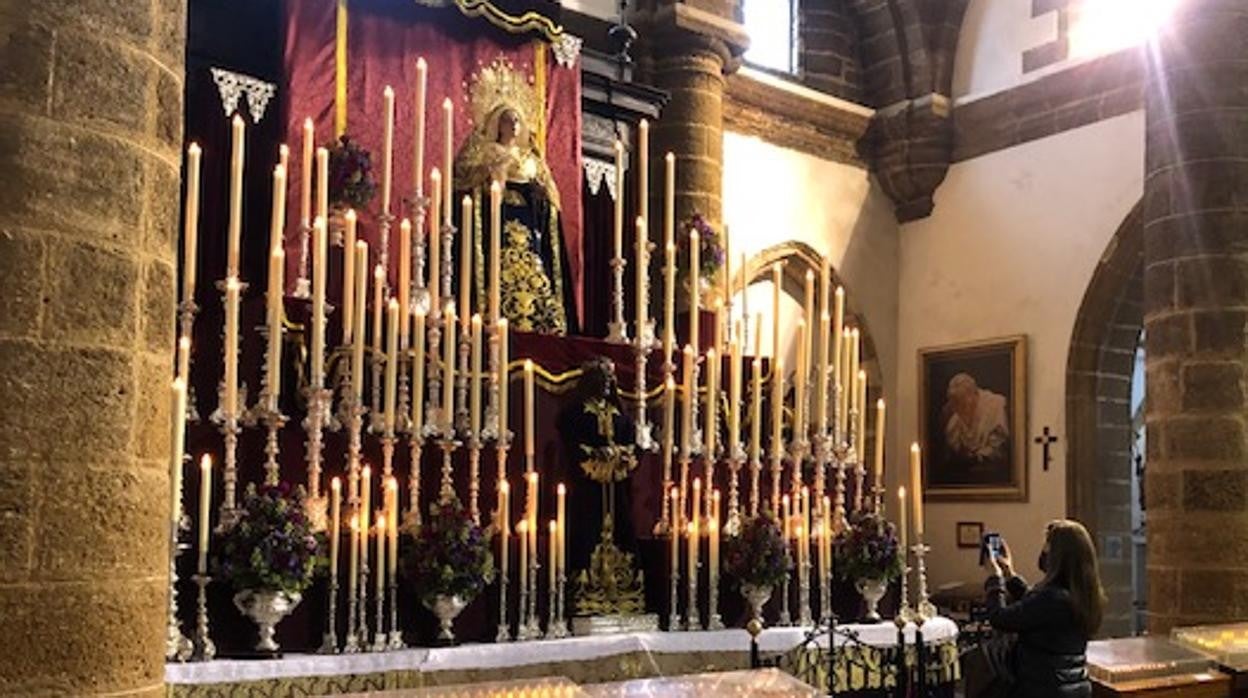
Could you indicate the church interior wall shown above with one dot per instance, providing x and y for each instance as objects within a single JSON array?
[{"x": 1010, "y": 249}]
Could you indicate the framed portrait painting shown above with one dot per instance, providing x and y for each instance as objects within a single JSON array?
[{"x": 973, "y": 421}]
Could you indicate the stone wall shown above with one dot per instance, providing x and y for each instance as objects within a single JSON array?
[
  {"x": 90, "y": 133},
  {"x": 828, "y": 53}
]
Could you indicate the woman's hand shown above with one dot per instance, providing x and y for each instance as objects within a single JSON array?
[{"x": 1004, "y": 560}]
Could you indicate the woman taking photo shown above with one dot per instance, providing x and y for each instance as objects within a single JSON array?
[{"x": 1052, "y": 620}]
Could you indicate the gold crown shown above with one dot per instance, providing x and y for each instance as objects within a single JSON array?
[{"x": 500, "y": 83}]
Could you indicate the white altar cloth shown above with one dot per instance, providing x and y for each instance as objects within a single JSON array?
[{"x": 502, "y": 655}]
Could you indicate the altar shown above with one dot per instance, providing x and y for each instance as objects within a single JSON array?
[{"x": 582, "y": 661}]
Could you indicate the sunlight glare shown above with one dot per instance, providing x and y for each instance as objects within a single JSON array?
[{"x": 1100, "y": 27}]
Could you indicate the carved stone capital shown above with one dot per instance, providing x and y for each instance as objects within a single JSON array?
[{"x": 910, "y": 146}]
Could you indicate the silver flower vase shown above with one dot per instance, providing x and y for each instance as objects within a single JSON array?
[
  {"x": 756, "y": 597},
  {"x": 266, "y": 609},
  {"x": 872, "y": 591},
  {"x": 446, "y": 608}
]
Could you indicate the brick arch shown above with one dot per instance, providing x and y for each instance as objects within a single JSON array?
[{"x": 1099, "y": 432}]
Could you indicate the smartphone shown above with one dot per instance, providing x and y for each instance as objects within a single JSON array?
[{"x": 991, "y": 548}]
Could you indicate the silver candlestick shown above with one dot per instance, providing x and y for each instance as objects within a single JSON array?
[
  {"x": 303, "y": 285},
  {"x": 642, "y": 347},
  {"x": 353, "y": 644},
  {"x": 186, "y": 321},
  {"x": 925, "y": 609},
  {"x": 560, "y": 626},
  {"x": 446, "y": 489},
  {"x": 228, "y": 423},
  {"x": 314, "y": 426},
  {"x": 504, "y": 631},
  {"x": 417, "y": 207},
  {"x": 395, "y": 641},
  {"x": 381, "y": 639},
  {"x": 713, "y": 621},
  {"x": 533, "y": 628},
  {"x": 785, "y": 619},
  {"x": 361, "y": 603},
  {"x": 433, "y": 374},
  {"x": 617, "y": 328},
  {"x": 461, "y": 375},
  {"x": 489, "y": 424},
  {"x": 203, "y": 648},
  {"x": 177, "y": 645},
  {"x": 522, "y": 611},
  {"x": 736, "y": 459},
  {"x": 377, "y": 360},
  {"x": 673, "y": 612},
  {"x": 329, "y": 641},
  {"x": 825, "y": 590},
  {"x": 474, "y": 476},
  {"x": 804, "y": 616},
  {"x": 756, "y": 474},
  {"x": 384, "y": 220},
  {"x": 693, "y": 617},
  {"x": 416, "y": 448}
]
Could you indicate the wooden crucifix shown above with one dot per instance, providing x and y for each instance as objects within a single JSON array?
[{"x": 1046, "y": 439}]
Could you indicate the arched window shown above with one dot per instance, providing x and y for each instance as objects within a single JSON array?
[{"x": 772, "y": 25}]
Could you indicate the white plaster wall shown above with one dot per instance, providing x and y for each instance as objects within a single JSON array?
[
  {"x": 995, "y": 33},
  {"x": 1010, "y": 249},
  {"x": 774, "y": 195},
  {"x": 602, "y": 9}
]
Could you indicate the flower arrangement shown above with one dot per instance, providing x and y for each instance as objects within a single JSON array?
[
  {"x": 351, "y": 183},
  {"x": 868, "y": 549},
  {"x": 757, "y": 556},
  {"x": 450, "y": 555},
  {"x": 710, "y": 249},
  {"x": 271, "y": 547}
]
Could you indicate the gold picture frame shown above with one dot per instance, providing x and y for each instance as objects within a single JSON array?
[{"x": 973, "y": 420}]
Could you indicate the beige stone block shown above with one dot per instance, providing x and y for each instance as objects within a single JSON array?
[
  {"x": 21, "y": 279},
  {"x": 17, "y": 512},
  {"x": 156, "y": 310},
  {"x": 1215, "y": 490},
  {"x": 162, "y": 217},
  {"x": 102, "y": 636},
  {"x": 126, "y": 20},
  {"x": 60, "y": 401},
  {"x": 100, "y": 522},
  {"x": 1213, "y": 386},
  {"x": 154, "y": 407},
  {"x": 92, "y": 295},
  {"x": 69, "y": 180},
  {"x": 1210, "y": 438},
  {"x": 168, "y": 113},
  {"x": 26, "y": 54},
  {"x": 102, "y": 84}
]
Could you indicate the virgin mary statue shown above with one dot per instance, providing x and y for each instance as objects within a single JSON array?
[{"x": 535, "y": 288}]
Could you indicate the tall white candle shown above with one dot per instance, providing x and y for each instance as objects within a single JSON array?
[
  {"x": 392, "y": 526},
  {"x": 642, "y": 277},
  {"x": 522, "y": 533},
  {"x": 277, "y": 271},
  {"x": 322, "y": 183},
  {"x": 392, "y": 364},
  {"x": 434, "y": 242},
  {"x": 418, "y": 371},
  {"x": 496, "y": 248},
  {"x": 448, "y": 369},
  {"x": 838, "y": 322},
  {"x": 777, "y": 407},
  {"x": 474, "y": 378},
  {"x": 504, "y": 526},
  {"x": 190, "y": 223},
  {"x": 361, "y": 292},
  {"x": 504, "y": 375},
  {"x": 777, "y": 284},
  {"x": 205, "y": 502},
  {"x": 916, "y": 486},
  {"x": 232, "y": 290},
  {"x": 529, "y": 445},
  {"x": 335, "y": 524},
  {"x": 277, "y": 219},
  {"x": 179, "y": 449},
  {"x": 695, "y": 245},
  {"x": 418, "y": 157},
  {"x": 860, "y": 388},
  {"x": 448, "y": 155},
  {"x": 405, "y": 283},
  {"x": 465, "y": 262},
  {"x": 379, "y": 575},
  {"x": 387, "y": 146},
  {"x": 379, "y": 283},
  {"x": 799, "y": 382},
  {"x": 234, "y": 232},
  {"x": 305, "y": 175},
  {"x": 184, "y": 358},
  {"x": 669, "y": 301},
  {"x": 821, "y": 378},
  {"x": 618, "y": 218},
  {"x": 734, "y": 396},
  {"x": 688, "y": 395},
  {"x": 561, "y": 520},
  {"x": 349, "y": 300},
  {"x": 901, "y": 522},
  {"x": 353, "y": 556},
  {"x": 711, "y": 409},
  {"x": 756, "y": 408},
  {"x": 320, "y": 273},
  {"x": 879, "y": 445},
  {"x": 643, "y": 169}
]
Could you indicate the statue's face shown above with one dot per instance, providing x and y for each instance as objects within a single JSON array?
[{"x": 508, "y": 127}]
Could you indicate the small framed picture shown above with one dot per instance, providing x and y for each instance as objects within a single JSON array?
[{"x": 970, "y": 534}]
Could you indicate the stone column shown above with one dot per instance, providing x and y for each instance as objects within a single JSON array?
[
  {"x": 690, "y": 47},
  {"x": 90, "y": 134},
  {"x": 1196, "y": 317}
]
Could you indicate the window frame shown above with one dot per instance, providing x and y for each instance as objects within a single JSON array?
[{"x": 794, "y": 70}]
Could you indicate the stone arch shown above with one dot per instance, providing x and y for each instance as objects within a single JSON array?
[
  {"x": 1099, "y": 431},
  {"x": 797, "y": 258}
]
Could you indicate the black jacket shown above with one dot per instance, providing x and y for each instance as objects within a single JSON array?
[{"x": 1050, "y": 659}]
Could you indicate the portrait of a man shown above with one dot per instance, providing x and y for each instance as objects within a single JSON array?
[{"x": 973, "y": 420}]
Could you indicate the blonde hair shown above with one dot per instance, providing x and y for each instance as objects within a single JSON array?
[{"x": 1072, "y": 565}]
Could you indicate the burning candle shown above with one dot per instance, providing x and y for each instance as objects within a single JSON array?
[
  {"x": 184, "y": 358},
  {"x": 734, "y": 397},
  {"x": 901, "y": 521},
  {"x": 879, "y": 445},
  {"x": 552, "y": 559},
  {"x": 504, "y": 526},
  {"x": 916, "y": 485},
  {"x": 838, "y": 321},
  {"x": 235, "y": 225},
  {"x": 448, "y": 152},
  {"x": 695, "y": 511},
  {"x": 861, "y": 403},
  {"x": 205, "y": 501},
  {"x": 380, "y": 576},
  {"x": 561, "y": 517},
  {"x": 190, "y": 222}
]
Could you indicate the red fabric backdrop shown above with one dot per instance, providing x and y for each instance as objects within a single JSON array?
[{"x": 384, "y": 39}]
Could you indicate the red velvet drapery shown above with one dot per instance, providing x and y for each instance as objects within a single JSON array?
[{"x": 383, "y": 41}]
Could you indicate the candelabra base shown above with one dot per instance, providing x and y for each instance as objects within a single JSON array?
[
  {"x": 352, "y": 645},
  {"x": 617, "y": 333},
  {"x": 504, "y": 633},
  {"x": 329, "y": 644},
  {"x": 715, "y": 622}
]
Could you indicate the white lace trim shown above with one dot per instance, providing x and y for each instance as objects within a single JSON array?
[{"x": 232, "y": 86}]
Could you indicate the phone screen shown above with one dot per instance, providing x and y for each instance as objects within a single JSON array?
[{"x": 991, "y": 548}]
